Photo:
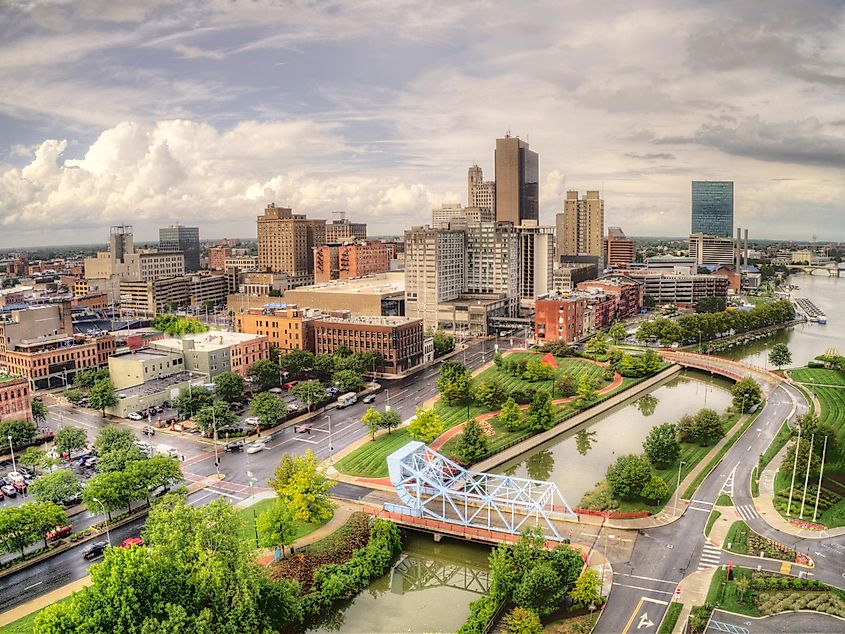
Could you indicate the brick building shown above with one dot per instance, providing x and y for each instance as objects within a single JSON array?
[
  {"x": 628, "y": 293},
  {"x": 217, "y": 257},
  {"x": 559, "y": 319},
  {"x": 15, "y": 398},
  {"x": 344, "y": 261},
  {"x": 285, "y": 326},
  {"x": 399, "y": 340}
]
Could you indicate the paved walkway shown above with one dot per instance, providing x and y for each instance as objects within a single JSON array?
[{"x": 693, "y": 592}]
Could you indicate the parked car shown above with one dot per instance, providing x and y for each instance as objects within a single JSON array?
[
  {"x": 235, "y": 446},
  {"x": 60, "y": 531},
  {"x": 254, "y": 421},
  {"x": 94, "y": 550},
  {"x": 256, "y": 447},
  {"x": 332, "y": 390},
  {"x": 91, "y": 462},
  {"x": 369, "y": 398},
  {"x": 76, "y": 499},
  {"x": 9, "y": 491},
  {"x": 148, "y": 431},
  {"x": 167, "y": 450},
  {"x": 131, "y": 541},
  {"x": 134, "y": 416}
]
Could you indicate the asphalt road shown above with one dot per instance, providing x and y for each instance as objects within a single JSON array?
[{"x": 805, "y": 622}]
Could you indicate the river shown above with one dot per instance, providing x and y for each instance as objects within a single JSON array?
[
  {"x": 577, "y": 460},
  {"x": 428, "y": 590},
  {"x": 807, "y": 340}
]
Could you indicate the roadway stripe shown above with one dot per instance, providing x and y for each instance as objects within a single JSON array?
[
  {"x": 702, "y": 502},
  {"x": 643, "y": 588},
  {"x": 633, "y": 615},
  {"x": 692, "y": 508},
  {"x": 674, "y": 583}
]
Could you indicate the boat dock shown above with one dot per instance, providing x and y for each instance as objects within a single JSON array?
[{"x": 808, "y": 308}]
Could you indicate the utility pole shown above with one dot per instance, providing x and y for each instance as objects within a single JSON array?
[
  {"x": 821, "y": 473},
  {"x": 677, "y": 488},
  {"x": 794, "y": 468},
  {"x": 807, "y": 477},
  {"x": 214, "y": 427},
  {"x": 331, "y": 449}
]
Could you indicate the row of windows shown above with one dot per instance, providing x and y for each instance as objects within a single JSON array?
[{"x": 7, "y": 395}]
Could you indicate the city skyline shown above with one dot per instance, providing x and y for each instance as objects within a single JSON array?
[{"x": 201, "y": 116}]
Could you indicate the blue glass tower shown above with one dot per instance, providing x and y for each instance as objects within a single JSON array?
[{"x": 713, "y": 208}]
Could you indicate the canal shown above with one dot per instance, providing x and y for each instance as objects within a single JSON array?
[
  {"x": 577, "y": 460},
  {"x": 806, "y": 341},
  {"x": 429, "y": 589}
]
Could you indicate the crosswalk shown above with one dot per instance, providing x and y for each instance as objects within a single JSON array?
[
  {"x": 710, "y": 557},
  {"x": 747, "y": 512}
]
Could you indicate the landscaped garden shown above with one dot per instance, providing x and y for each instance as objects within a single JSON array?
[
  {"x": 576, "y": 383},
  {"x": 248, "y": 515},
  {"x": 757, "y": 594},
  {"x": 744, "y": 541}
]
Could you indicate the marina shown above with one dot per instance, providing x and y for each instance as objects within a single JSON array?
[{"x": 808, "y": 308}]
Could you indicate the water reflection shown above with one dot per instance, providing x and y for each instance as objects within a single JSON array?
[
  {"x": 584, "y": 440},
  {"x": 413, "y": 573},
  {"x": 647, "y": 404},
  {"x": 540, "y": 465}
]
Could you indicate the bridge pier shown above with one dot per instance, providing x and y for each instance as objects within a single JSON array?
[{"x": 437, "y": 537}]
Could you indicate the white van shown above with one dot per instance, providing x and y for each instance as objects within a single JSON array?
[
  {"x": 167, "y": 450},
  {"x": 345, "y": 400}
]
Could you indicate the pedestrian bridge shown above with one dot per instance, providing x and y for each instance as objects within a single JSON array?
[{"x": 440, "y": 495}]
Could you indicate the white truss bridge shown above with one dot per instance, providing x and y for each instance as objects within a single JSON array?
[{"x": 433, "y": 487}]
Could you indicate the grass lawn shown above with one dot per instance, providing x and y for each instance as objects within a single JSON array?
[
  {"x": 737, "y": 537},
  {"x": 818, "y": 375},
  {"x": 370, "y": 460},
  {"x": 248, "y": 514},
  {"x": 724, "y": 500},
  {"x": 714, "y": 515},
  {"x": 723, "y": 593},
  {"x": 670, "y": 618},
  {"x": 574, "y": 625},
  {"x": 25, "y": 624},
  {"x": 566, "y": 365}
]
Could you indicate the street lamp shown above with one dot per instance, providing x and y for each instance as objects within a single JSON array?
[
  {"x": 214, "y": 427},
  {"x": 108, "y": 535},
  {"x": 678, "y": 488},
  {"x": 12, "y": 449},
  {"x": 331, "y": 449}
]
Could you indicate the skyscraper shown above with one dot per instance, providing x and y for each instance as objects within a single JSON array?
[
  {"x": 480, "y": 193},
  {"x": 183, "y": 239},
  {"x": 580, "y": 228},
  {"x": 713, "y": 208},
  {"x": 517, "y": 181},
  {"x": 620, "y": 249},
  {"x": 286, "y": 242}
]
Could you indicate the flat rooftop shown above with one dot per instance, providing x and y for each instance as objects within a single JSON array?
[
  {"x": 207, "y": 341},
  {"x": 5, "y": 378},
  {"x": 154, "y": 386},
  {"x": 380, "y": 284},
  {"x": 144, "y": 354},
  {"x": 370, "y": 320}
]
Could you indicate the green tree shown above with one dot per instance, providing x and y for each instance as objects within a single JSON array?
[
  {"x": 655, "y": 489},
  {"x": 810, "y": 425},
  {"x": 710, "y": 305},
  {"x": 268, "y": 408},
  {"x": 145, "y": 476},
  {"x": 86, "y": 379},
  {"x": 310, "y": 392},
  {"x": 708, "y": 426},
  {"x": 523, "y": 621},
  {"x": 536, "y": 370},
  {"x": 617, "y": 333},
  {"x": 37, "y": 459},
  {"x": 217, "y": 416},
  {"x": 303, "y": 487},
  {"x": 490, "y": 394},
  {"x": 101, "y": 395},
  {"x": 587, "y": 589},
  {"x": 597, "y": 345},
  {"x": 39, "y": 412},
  {"x": 443, "y": 343},
  {"x": 389, "y": 419},
  {"x": 541, "y": 413},
  {"x": 110, "y": 491},
  {"x": 229, "y": 386},
  {"x": 264, "y": 374},
  {"x": 297, "y": 362},
  {"x": 191, "y": 400},
  {"x": 276, "y": 526},
  {"x": 472, "y": 444},
  {"x": 650, "y": 362},
  {"x": 804, "y": 454},
  {"x": 55, "y": 487},
  {"x": 371, "y": 419},
  {"x": 586, "y": 391},
  {"x": 15, "y": 531},
  {"x": 454, "y": 382},
  {"x": 498, "y": 360},
  {"x": 21, "y": 431},
  {"x": 113, "y": 438},
  {"x": 196, "y": 574},
  {"x": 43, "y": 517},
  {"x": 628, "y": 475},
  {"x": 69, "y": 439},
  {"x": 565, "y": 385},
  {"x": 511, "y": 415},
  {"x": 746, "y": 394},
  {"x": 661, "y": 445},
  {"x": 780, "y": 355},
  {"x": 742, "y": 586},
  {"x": 347, "y": 380},
  {"x": 426, "y": 425}
]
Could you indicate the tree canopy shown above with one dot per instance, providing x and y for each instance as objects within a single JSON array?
[
  {"x": 303, "y": 487},
  {"x": 70, "y": 438},
  {"x": 229, "y": 386},
  {"x": 426, "y": 425},
  {"x": 176, "y": 326},
  {"x": 746, "y": 394},
  {"x": 101, "y": 395}
]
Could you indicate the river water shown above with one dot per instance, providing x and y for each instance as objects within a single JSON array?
[
  {"x": 807, "y": 340},
  {"x": 428, "y": 590},
  {"x": 577, "y": 460}
]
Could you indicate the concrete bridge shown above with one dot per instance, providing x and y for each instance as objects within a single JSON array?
[
  {"x": 833, "y": 269},
  {"x": 728, "y": 368}
]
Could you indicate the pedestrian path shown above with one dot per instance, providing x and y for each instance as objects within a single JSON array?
[
  {"x": 710, "y": 557},
  {"x": 747, "y": 512}
]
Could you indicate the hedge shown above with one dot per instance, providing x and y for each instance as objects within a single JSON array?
[{"x": 481, "y": 614}]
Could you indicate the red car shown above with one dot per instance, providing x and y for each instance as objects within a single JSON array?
[
  {"x": 60, "y": 531},
  {"x": 132, "y": 541}
]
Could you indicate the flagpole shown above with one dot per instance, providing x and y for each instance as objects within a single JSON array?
[
  {"x": 821, "y": 473},
  {"x": 807, "y": 477},
  {"x": 794, "y": 468}
]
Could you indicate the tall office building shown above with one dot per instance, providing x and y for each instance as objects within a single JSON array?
[
  {"x": 536, "y": 262},
  {"x": 708, "y": 249},
  {"x": 713, "y": 208},
  {"x": 619, "y": 248},
  {"x": 480, "y": 193},
  {"x": 286, "y": 243},
  {"x": 434, "y": 270},
  {"x": 580, "y": 228},
  {"x": 517, "y": 181},
  {"x": 492, "y": 258},
  {"x": 183, "y": 239},
  {"x": 453, "y": 211}
]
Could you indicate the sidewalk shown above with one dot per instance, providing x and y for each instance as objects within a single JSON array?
[
  {"x": 43, "y": 601},
  {"x": 693, "y": 589}
]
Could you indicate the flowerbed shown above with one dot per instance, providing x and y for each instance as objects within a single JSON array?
[
  {"x": 614, "y": 515},
  {"x": 808, "y": 525},
  {"x": 769, "y": 547}
]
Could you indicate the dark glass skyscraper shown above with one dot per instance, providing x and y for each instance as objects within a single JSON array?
[
  {"x": 713, "y": 208},
  {"x": 517, "y": 181},
  {"x": 184, "y": 239}
]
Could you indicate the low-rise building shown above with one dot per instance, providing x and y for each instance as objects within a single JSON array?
[
  {"x": 284, "y": 325},
  {"x": 567, "y": 276},
  {"x": 217, "y": 257},
  {"x": 152, "y": 297},
  {"x": 53, "y": 360},
  {"x": 15, "y": 398},
  {"x": 679, "y": 289},
  {"x": 627, "y": 291},
  {"x": 345, "y": 261},
  {"x": 207, "y": 288},
  {"x": 211, "y": 353},
  {"x": 382, "y": 294},
  {"x": 399, "y": 340},
  {"x": 559, "y": 318}
]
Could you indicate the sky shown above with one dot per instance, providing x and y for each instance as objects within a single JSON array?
[{"x": 154, "y": 112}]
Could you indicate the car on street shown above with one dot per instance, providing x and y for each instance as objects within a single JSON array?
[
  {"x": 167, "y": 450},
  {"x": 303, "y": 429},
  {"x": 131, "y": 541},
  {"x": 94, "y": 550},
  {"x": 148, "y": 431},
  {"x": 9, "y": 491},
  {"x": 134, "y": 416},
  {"x": 369, "y": 398},
  {"x": 59, "y": 531},
  {"x": 256, "y": 447},
  {"x": 235, "y": 446}
]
